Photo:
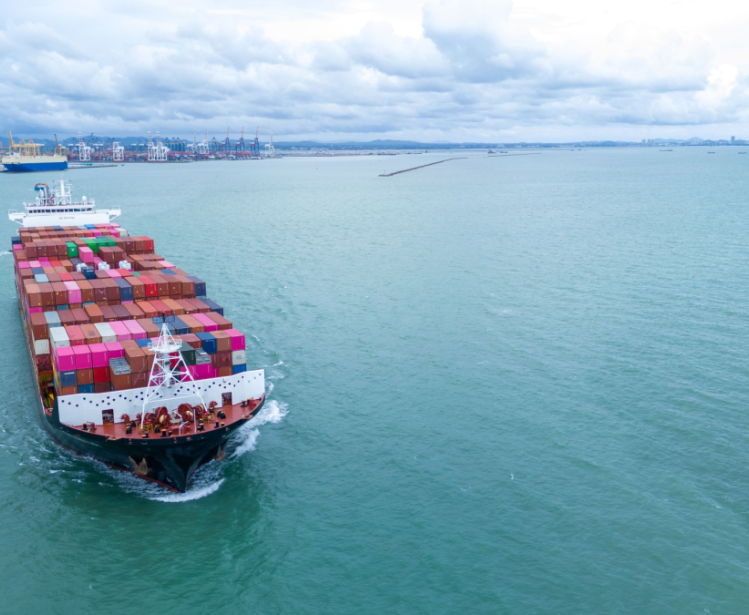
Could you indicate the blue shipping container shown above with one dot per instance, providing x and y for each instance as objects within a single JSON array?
[
  {"x": 85, "y": 388},
  {"x": 214, "y": 306},
  {"x": 209, "y": 342},
  {"x": 68, "y": 379},
  {"x": 238, "y": 369}
]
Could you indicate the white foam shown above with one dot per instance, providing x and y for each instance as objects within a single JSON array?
[
  {"x": 249, "y": 439},
  {"x": 195, "y": 493},
  {"x": 272, "y": 412},
  {"x": 4, "y": 253}
]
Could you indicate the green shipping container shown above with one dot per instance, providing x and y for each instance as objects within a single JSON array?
[
  {"x": 92, "y": 243},
  {"x": 72, "y": 250},
  {"x": 188, "y": 353}
]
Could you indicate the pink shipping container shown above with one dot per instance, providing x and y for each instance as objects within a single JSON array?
[
  {"x": 202, "y": 371},
  {"x": 136, "y": 331},
  {"x": 86, "y": 255},
  {"x": 82, "y": 357},
  {"x": 120, "y": 330},
  {"x": 24, "y": 265},
  {"x": 205, "y": 321},
  {"x": 33, "y": 264},
  {"x": 113, "y": 273},
  {"x": 17, "y": 246},
  {"x": 74, "y": 292},
  {"x": 167, "y": 264},
  {"x": 99, "y": 355},
  {"x": 97, "y": 232},
  {"x": 115, "y": 350},
  {"x": 65, "y": 358},
  {"x": 114, "y": 233},
  {"x": 237, "y": 339},
  {"x": 34, "y": 310},
  {"x": 193, "y": 369}
]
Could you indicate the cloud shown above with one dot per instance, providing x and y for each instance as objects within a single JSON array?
[{"x": 475, "y": 72}]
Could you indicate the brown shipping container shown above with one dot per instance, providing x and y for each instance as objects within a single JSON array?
[
  {"x": 34, "y": 295},
  {"x": 195, "y": 325},
  {"x": 188, "y": 286},
  {"x": 81, "y": 318},
  {"x": 94, "y": 313},
  {"x": 149, "y": 358},
  {"x": 222, "y": 322},
  {"x": 193, "y": 340},
  {"x": 139, "y": 289},
  {"x": 188, "y": 307},
  {"x": 91, "y": 333},
  {"x": 61, "y": 293},
  {"x": 113, "y": 291},
  {"x": 122, "y": 312},
  {"x": 140, "y": 379},
  {"x": 120, "y": 382},
  {"x": 48, "y": 294},
  {"x": 175, "y": 307},
  {"x": 53, "y": 277},
  {"x": 162, "y": 284},
  {"x": 225, "y": 372},
  {"x": 39, "y": 326},
  {"x": 221, "y": 359},
  {"x": 108, "y": 313},
  {"x": 66, "y": 318},
  {"x": 150, "y": 327},
  {"x": 100, "y": 291},
  {"x": 87, "y": 291},
  {"x": 223, "y": 341},
  {"x": 136, "y": 359},
  {"x": 129, "y": 344},
  {"x": 175, "y": 286},
  {"x": 102, "y": 387},
  {"x": 85, "y": 376},
  {"x": 148, "y": 310},
  {"x": 202, "y": 307},
  {"x": 134, "y": 310},
  {"x": 68, "y": 390}
]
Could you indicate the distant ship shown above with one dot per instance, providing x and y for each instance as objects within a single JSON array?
[{"x": 25, "y": 157}]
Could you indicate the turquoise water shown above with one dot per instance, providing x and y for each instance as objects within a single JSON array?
[{"x": 509, "y": 385}]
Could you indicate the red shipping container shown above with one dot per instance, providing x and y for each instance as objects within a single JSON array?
[
  {"x": 76, "y": 335},
  {"x": 151, "y": 289},
  {"x": 101, "y": 374}
]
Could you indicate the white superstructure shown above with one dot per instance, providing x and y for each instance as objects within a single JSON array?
[{"x": 56, "y": 207}]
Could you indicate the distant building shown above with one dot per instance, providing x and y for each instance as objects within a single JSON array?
[{"x": 733, "y": 140}]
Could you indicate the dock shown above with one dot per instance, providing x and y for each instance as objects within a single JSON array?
[{"x": 421, "y": 166}]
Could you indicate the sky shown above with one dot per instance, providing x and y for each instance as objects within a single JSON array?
[{"x": 432, "y": 71}]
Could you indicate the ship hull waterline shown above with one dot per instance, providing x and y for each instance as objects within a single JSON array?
[{"x": 30, "y": 167}]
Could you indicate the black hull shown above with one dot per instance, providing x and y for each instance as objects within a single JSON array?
[{"x": 154, "y": 458}]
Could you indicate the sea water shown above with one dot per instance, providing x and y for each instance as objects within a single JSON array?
[{"x": 496, "y": 385}]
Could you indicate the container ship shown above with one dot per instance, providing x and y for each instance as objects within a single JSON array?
[
  {"x": 26, "y": 157},
  {"x": 135, "y": 365}
]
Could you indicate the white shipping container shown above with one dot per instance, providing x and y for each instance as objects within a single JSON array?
[
  {"x": 124, "y": 265},
  {"x": 238, "y": 357},
  {"x": 41, "y": 347},
  {"x": 106, "y": 332},
  {"x": 102, "y": 266},
  {"x": 59, "y": 337}
]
